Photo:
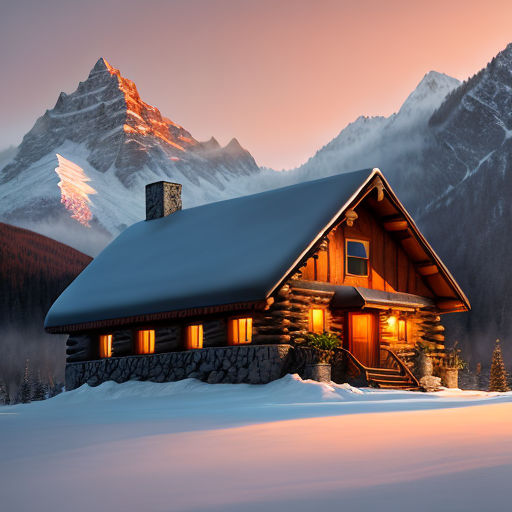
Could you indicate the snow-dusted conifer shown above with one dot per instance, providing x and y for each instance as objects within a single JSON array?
[
  {"x": 4, "y": 393},
  {"x": 39, "y": 390},
  {"x": 25, "y": 391},
  {"x": 498, "y": 380}
]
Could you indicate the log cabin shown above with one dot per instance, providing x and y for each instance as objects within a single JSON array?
[{"x": 228, "y": 291}]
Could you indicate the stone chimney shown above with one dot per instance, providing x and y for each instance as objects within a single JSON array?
[{"x": 162, "y": 199}]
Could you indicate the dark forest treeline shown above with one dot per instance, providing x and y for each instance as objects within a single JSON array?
[{"x": 34, "y": 270}]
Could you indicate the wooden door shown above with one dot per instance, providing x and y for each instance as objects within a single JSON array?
[{"x": 363, "y": 338}]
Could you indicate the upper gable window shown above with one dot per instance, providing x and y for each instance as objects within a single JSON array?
[{"x": 357, "y": 257}]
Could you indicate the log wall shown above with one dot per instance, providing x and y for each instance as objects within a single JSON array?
[{"x": 287, "y": 319}]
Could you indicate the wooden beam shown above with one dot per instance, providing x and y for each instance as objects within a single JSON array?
[
  {"x": 445, "y": 304},
  {"x": 427, "y": 269},
  {"x": 395, "y": 225},
  {"x": 270, "y": 301}
]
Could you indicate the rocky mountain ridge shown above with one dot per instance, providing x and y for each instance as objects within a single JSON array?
[
  {"x": 469, "y": 223},
  {"x": 119, "y": 143},
  {"x": 395, "y": 144},
  {"x": 450, "y": 160}
]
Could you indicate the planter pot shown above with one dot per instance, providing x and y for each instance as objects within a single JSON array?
[
  {"x": 425, "y": 365},
  {"x": 451, "y": 377},
  {"x": 318, "y": 371}
]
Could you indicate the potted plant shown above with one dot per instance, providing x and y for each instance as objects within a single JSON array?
[
  {"x": 451, "y": 366},
  {"x": 322, "y": 345}
]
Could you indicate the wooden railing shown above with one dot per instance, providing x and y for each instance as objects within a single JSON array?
[
  {"x": 404, "y": 369},
  {"x": 353, "y": 358},
  {"x": 368, "y": 371},
  {"x": 363, "y": 370}
]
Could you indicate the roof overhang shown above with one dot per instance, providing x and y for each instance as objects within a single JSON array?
[{"x": 132, "y": 321}]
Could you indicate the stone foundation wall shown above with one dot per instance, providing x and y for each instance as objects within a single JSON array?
[{"x": 253, "y": 364}]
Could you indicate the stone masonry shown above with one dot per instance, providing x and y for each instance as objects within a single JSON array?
[{"x": 256, "y": 364}]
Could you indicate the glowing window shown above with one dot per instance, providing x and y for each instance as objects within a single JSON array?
[
  {"x": 239, "y": 331},
  {"x": 105, "y": 345},
  {"x": 194, "y": 336},
  {"x": 357, "y": 257},
  {"x": 402, "y": 330},
  {"x": 317, "y": 320},
  {"x": 145, "y": 342}
]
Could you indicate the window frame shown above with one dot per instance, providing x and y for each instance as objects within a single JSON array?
[
  {"x": 366, "y": 244},
  {"x": 231, "y": 330},
  {"x": 200, "y": 336},
  {"x": 151, "y": 342},
  {"x": 101, "y": 346},
  {"x": 311, "y": 322},
  {"x": 404, "y": 323}
]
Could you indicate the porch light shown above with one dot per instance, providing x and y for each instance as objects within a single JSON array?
[{"x": 392, "y": 321}]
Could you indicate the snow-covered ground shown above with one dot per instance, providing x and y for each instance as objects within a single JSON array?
[{"x": 288, "y": 445}]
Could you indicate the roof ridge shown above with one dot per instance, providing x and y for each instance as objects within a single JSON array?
[{"x": 297, "y": 185}]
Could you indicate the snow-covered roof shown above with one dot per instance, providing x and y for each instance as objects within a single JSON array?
[{"x": 221, "y": 253}]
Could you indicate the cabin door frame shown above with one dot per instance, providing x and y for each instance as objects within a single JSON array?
[{"x": 363, "y": 337}]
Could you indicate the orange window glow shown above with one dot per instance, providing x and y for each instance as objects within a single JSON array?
[
  {"x": 194, "y": 336},
  {"x": 105, "y": 345},
  {"x": 402, "y": 330},
  {"x": 317, "y": 320},
  {"x": 146, "y": 341},
  {"x": 239, "y": 331}
]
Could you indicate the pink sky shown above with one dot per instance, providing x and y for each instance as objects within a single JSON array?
[{"x": 284, "y": 77}]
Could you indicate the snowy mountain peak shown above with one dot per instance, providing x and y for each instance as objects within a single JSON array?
[
  {"x": 428, "y": 94},
  {"x": 434, "y": 80},
  {"x": 234, "y": 147},
  {"x": 506, "y": 52},
  {"x": 101, "y": 66},
  {"x": 352, "y": 143},
  {"x": 108, "y": 135},
  {"x": 211, "y": 144}
]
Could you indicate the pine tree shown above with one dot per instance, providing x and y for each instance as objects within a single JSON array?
[
  {"x": 39, "y": 390},
  {"x": 4, "y": 393},
  {"x": 25, "y": 392},
  {"x": 498, "y": 381}
]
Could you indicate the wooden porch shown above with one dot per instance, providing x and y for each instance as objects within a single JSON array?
[{"x": 392, "y": 372}]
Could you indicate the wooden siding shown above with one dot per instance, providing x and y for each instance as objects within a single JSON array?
[{"x": 390, "y": 268}]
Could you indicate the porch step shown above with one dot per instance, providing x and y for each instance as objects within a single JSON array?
[
  {"x": 390, "y": 378},
  {"x": 387, "y": 375},
  {"x": 384, "y": 371},
  {"x": 407, "y": 387},
  {"x": 398, "y": 377}
]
